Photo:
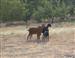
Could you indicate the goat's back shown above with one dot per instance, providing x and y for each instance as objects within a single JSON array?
[{"x": 35, "y": 30}]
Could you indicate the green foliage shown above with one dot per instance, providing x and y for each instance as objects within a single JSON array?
[
  {"x": 16, "y": 10},
  {"x": 11, "y": 10}
]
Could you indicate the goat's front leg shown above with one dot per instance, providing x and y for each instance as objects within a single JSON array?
[
  {"x": 43, "y": 37},
  {"x": 38, "y": 36}
]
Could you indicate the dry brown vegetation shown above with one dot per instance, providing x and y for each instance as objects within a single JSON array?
[{"x": 14, "y": 44}]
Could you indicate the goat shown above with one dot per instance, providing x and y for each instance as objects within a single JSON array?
[
  {"x": 45, "y": 31},
  {"x": 37, "y": 31}
]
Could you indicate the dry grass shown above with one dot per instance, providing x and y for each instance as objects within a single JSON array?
[{"x": 14, "y": 44}]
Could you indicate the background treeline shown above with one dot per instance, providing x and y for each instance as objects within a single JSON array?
[{"x": 39, "y": 10}]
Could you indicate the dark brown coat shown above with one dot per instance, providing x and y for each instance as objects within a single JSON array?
[{"x": 37, "y": 31}]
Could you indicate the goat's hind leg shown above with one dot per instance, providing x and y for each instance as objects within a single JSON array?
[{"x": 28, "y": 36}]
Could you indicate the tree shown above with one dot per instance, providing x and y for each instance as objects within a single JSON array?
[{"x": 11, "y": 10}]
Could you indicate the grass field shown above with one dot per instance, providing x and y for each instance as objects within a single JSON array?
[{"x": 14, "y": 44}]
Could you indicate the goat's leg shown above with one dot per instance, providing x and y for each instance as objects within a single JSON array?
[
  {"x": 48, "y": 37},
  {"x": 28, "y": 36},
  {"x": 43, "y": 37},
  {"x": 38, "y": 36}
]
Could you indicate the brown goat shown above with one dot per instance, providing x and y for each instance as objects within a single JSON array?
[{"x": 37, "y": 31}]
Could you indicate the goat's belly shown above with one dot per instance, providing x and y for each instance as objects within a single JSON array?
[{"x": 35, "y": 32}]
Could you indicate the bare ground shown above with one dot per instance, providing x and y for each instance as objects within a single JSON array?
[{"x": 14, "y": 44}]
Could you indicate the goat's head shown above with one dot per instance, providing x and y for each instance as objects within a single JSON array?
[{"x": 48, "y": 25}]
